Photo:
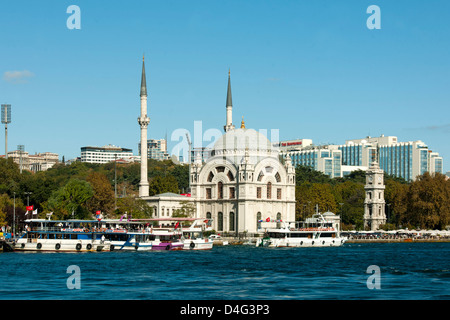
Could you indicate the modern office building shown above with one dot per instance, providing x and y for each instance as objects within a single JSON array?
[
  {"x": 105, "y": 154},
  {"x": 156, "y": 149},
  {"x": 406, "y": 160},
  {"x": 326, "y": 159}
]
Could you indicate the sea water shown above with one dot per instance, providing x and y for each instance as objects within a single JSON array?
[{"x": 388, "y": 271}]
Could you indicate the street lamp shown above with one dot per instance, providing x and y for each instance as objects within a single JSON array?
[
  {"x": 14, "y": 217},
  {"x": 28, "y": 197},
  {"x": 20, "y": 148},
  {"x": 6, "y": 118}
]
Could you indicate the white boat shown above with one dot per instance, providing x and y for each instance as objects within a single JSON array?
[
  {"x": 141, "y": 235},
  {"x": 61, "y": 236},
  {"x": 123, "y": 235},
  {"x": 193, "y": 236},
  {"x": 314, "y": 232},
  {"x": 218, "y": 239}
]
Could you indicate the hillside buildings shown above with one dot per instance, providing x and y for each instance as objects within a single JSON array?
[{"x": 34, "y": 162}]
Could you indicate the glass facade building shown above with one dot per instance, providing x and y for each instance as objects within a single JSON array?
[{"x": 406, "y": 160}]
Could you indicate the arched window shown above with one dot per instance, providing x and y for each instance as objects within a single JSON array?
[
  {"x": 220, "y": 190},
  {"x": 269, "y": 190},
  {"x": 232, "y": 222},
  {"x": 277, "y": 177},
  {"x": 220, "y": 221},
  {"x": 210, "y": 176},
  {"x": 258, "y": 220},
  {"x": 208, "y": 215},
  {"x": 278, "y": 220}
]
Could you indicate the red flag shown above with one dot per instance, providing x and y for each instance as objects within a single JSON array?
[
  {"x": 176, "y": 226},
  {"x": 268, "y": 220},
  {"x": 29, "y": 208}
]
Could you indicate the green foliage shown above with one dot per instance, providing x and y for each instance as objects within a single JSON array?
[
  {"x": 70, "y": 201},
  {"x": 135, "y": 207},
  {"x": 187, "y": 210},
  {"x": 162, "y": 184}
]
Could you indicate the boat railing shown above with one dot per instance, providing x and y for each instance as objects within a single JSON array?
[{"x": 314, "y": 229}]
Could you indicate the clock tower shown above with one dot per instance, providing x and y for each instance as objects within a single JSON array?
[{"x": 374, "y": 204}]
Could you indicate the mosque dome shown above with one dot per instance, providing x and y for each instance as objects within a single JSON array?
[{"x": 240, "y": 142}]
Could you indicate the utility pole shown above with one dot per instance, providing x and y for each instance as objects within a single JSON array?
[{"x": 190, "y": 160}]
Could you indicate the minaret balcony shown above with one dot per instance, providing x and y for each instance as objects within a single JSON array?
[{"x": 143, "y": 121}]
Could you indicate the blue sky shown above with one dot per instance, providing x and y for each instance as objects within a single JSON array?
[{"x": 311, "y": 69}]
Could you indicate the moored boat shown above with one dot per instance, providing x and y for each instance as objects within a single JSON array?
[
  {"x": 61, "y": 236},
  {"x": 313, "y": 232},
  {"x": 194, "y": 237}
]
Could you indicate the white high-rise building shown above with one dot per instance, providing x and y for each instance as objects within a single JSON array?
[{"x": 105, "y": 154}]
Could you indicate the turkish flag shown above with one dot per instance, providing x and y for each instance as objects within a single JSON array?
[
  {"x": 29, "y": 208},
  {"x": 268, "y": 220}
]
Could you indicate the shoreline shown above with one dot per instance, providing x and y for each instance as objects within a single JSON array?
[
  {"x": 232, "y": 241},
  {"x": 405, "y": 240}
]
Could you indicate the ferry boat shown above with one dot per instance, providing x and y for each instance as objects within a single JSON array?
[
  {"x": 61, "y": 236},
  {"x": 313, "y": 232}
]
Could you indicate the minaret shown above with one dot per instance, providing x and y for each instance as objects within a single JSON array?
[
  {"x": 143, "y": 121},
  {"x": 229, "y": 126}
]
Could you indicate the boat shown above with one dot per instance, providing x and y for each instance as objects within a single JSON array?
[
  {"x": 124, "y": 235},
  {"x": 61, "y": 236},
  {"x": 194, "y": 237},
  {"x": 313, "y": 232},
  {"x": 217, "y": 239},
  {"x": 163, "y": 237}
]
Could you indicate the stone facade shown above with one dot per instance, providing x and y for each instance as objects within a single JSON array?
[{"x": 374, "y": 203}]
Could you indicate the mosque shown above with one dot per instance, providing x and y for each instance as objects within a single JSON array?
[{"x": 242, "y": 185}]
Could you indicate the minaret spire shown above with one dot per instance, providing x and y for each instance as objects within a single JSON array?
[
  {"x": 143, "y": 82},
  {"x": 229, "y": 105},
  {"x": 143, "y": 121}
]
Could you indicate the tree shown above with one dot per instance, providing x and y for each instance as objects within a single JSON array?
[
  {"x": 428, "y": 201},
  {"x": 160, "y": 184},
  {"x": 307, "y": 174},
  {"x": 71, "y": 198},
  {"x": 187, "y": 210},
  {"x": 135, "y": 207},
  {"x": 103, "y": 195},
  {"x": 351, "y": 194}
]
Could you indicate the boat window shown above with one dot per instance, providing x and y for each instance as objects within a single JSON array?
[
  {"x": 299, "y": 235},
  {"x": 326, "y": 235},
  {"x": 277, "y": 235}
]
